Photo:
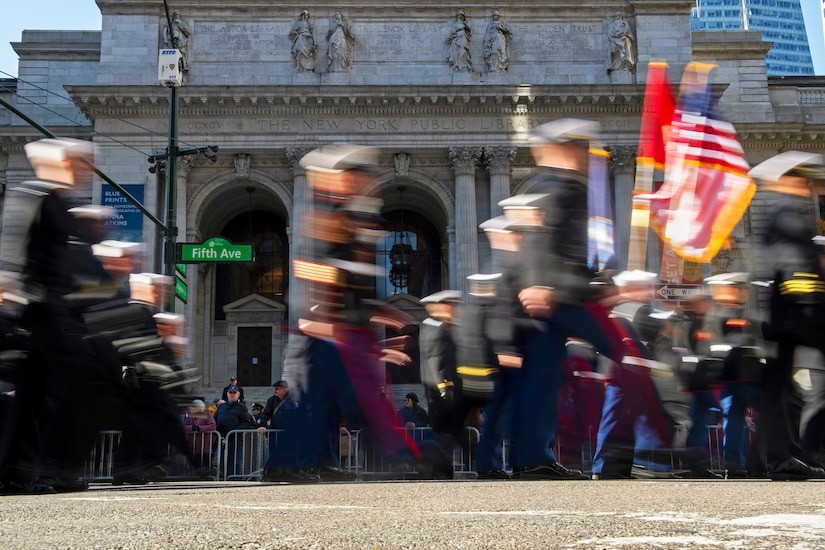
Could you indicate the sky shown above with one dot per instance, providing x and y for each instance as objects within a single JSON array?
[{"x": 85, "y": 15}]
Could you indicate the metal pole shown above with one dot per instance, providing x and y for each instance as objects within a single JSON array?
[{"x": 171, "y": 185}]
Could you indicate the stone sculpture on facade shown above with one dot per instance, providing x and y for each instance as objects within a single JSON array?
[
  {"x": 303, "y": 43},
  {"x": 497, "y": 44},
  {"x": 621, "y": 45},
  {"x": 178, "y": 37},
  {"x": 458, "y": 44},
  {"x": 341, "y": 44}
]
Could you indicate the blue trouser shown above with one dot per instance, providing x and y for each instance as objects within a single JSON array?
[
  {"x": 737, "y": 397},
  {"x": 543, "y": 353},
  {"x": 500, "y": 418}
]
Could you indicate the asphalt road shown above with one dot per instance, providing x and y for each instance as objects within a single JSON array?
[{"x": 457, "y": 514}]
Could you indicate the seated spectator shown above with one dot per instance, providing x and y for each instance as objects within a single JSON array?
[
  {"x": 198, "y": 423},
  {"x": 412, "y": 415}
]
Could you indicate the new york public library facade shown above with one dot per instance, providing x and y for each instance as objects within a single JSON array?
[{"x": 451, "y": 121}]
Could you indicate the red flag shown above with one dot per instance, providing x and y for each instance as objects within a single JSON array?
[
  {"x": 707, "y": 188},
  {"x": 657, "y": 115}
]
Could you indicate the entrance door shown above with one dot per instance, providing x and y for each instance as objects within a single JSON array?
[{"x": 255, "y": 356}]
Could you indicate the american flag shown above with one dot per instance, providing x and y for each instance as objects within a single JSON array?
[{"x": 707, "y": 188}]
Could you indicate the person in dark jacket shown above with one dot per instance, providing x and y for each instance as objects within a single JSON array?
[
  {"x": 412, "y": 415},
  {"x": 233, "y": 415}
]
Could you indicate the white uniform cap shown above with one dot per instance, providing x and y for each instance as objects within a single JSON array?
[
  {"x": 116, "y": 249},
  {"x": 634, "y": 276},
  {"x": 523, "y": 202},
  {"x": 91, "y": 211},
  {"x": 483, "y": 284},
  {"x": 150, "y": 279},
  {"x": 659, "y": 314},
  {"x": 58, "y": 150},
  {"x": 819, "y": 240},
  {"x": 442, "y": 296},
  {"x": 729, "y": 278},
  {"x": 565, "y": 130},
  {"x": 337, "y": 158},
  {"x": 806, "y": 164},
  {"x": 499, "y": 224}
]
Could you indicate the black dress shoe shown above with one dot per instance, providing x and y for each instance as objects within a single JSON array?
[
  {"x": 698, "y": 473},
  {"x": 736, "y": 473},
  {"x": 330, "y": 473},
  {"x": 68, "y": 485},
  {"x": 552, "y": 472},
  {"x": 794, "y": 469},
  {"x": 605, "y": 476},
  {"x": 494, "y": 474},
  {"x": 27, "y": 488},
  {"x": 284, "y": 475}
]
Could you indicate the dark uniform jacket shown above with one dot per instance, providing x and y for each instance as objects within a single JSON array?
[
  {"x": 233, "y": 416},
  {"x": 557, "y": 256}
]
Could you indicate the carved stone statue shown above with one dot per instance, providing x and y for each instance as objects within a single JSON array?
[
  {"x": 497, "y": 44},
  {"x": 458, "y": 44},
  {"x": 621, "y": 45},
  {"x": 303, "y": 43},
  {"x": 340, "y": 44},
  {"x": 242, "y": 165},
  {"x": 178, "y": 37}
]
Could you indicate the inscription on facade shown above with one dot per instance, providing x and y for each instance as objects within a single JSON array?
[
  {"x": 394, "y": 42},
  {"x": 242, "y": 41}
]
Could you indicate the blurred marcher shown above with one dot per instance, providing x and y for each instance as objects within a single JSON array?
[
  {"x": 797, "y": 305},
  {"x": 61, "y": 362},
  {"x": 412, "y": 415},
  {"x": 552, "y": 286}
]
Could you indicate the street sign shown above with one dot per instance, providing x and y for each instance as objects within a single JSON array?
[
  {"x": 181, "y": 290},
  {"x": 677, "y": 292},
  {"x": 215, "y": 249}
]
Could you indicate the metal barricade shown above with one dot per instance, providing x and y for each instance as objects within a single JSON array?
[
  {"x": 244, "y": 453},
  {"x": 100, "y": 466},
  {"x": 464, "y": 455},
  {"x": 204, "y": 449}
]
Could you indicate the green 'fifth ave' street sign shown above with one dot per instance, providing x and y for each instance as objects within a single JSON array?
[{"x": 215, "y": 249}]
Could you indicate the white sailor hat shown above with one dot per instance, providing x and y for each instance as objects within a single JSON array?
[
  {"x": 442, "y": 296},
  {"x": 524, "y": 210},
  {"x": 116, "y": 249},
  {"x": 483, "y": 284},
  {"x": 819, "y": 240},
  {"x": 91, "y": 211},
  {"x": 809, "y": 165},
  {"x": 341, "y": 157},
  {"x": 634, "y": 276},
  {"x": 499, "y": 224},
  {"x": 150, "y": 279},
  {"x": 734, "y": 278},
  {"x": 60, "y": 149},
  {"x": 564, "y": 130}
]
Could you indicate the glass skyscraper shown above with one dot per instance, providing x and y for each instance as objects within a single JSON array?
[{"x": 780, "y": 21}]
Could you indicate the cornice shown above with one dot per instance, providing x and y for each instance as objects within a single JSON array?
[{"x": 153, "y": 101}]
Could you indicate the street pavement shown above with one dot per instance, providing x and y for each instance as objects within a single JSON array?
[{"x": 456, "y": 514}]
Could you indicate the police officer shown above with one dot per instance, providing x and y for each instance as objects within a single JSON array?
[{"x": 797, "y": 302}]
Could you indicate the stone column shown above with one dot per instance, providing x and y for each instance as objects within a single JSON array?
[
  {"x": 465, "y": 261},
  {"x": 498, "y": 160},
  {"x": 623, "y": 165},
  {"x": 299, "y": 247}
]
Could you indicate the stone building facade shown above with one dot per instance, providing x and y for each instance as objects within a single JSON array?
[{"x": 448, "y": 97}]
